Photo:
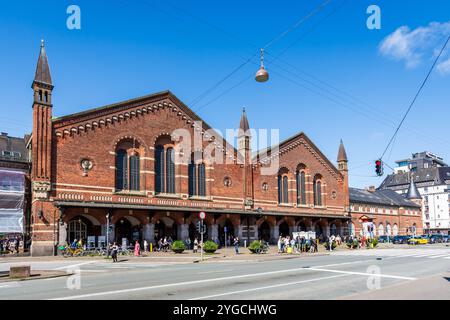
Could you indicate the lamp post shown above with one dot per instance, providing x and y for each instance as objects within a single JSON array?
[
  {"x": 387, "y": 235},
  {"x": 107, "y": 235}
]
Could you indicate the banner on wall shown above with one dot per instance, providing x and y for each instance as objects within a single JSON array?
[{"x": 12, "y": 200}]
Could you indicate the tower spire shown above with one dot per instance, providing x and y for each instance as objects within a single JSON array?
[
  {"x": 342, "y": 157},
  {"x": 42, "y": 75}
]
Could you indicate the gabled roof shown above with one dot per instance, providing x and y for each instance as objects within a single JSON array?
[
  {"x": 380, "y": 197},
  {"x": 42, "y": 74},
  {"x": 287, "y": 143},
  {"x": 90, "y": 114}
]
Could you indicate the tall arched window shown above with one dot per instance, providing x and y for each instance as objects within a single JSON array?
[
  {"x": 197, "y": 179},
  {"x": 127, "y": 171},
  {"x": 317, "y": 189},
  {"x": 134, "y": 172},
  {"x": 283, "y": 187},
  {"x": 301, "y": 187},
  {"x": 201, "y": 180},
  {"x": 170, "y": 170},
  {"x": 122, "y": 170},
  {"x": 159, "y": 169}
]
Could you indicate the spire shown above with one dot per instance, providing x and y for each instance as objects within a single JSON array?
[
  {"x": 42, "y": 75},
  {"x": 342, "y": 155},
  {"x": 243, "y": 125},
  {"x": 413, "y": 192}
]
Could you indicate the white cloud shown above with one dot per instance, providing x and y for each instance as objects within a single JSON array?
[{"x": 412, "y": 46}]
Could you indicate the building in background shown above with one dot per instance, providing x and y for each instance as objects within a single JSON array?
[
  {"x": 385, "y": 212},
  {"x": 431, "y": 175},
  {"x": 14, "y": 187}
]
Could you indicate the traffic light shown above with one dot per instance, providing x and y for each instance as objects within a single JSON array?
[
  {"x": 379, "y": 167},
  {"x": 198, "y": 226}
]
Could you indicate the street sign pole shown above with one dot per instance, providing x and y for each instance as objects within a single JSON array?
[{"x": 201, "y": 240}]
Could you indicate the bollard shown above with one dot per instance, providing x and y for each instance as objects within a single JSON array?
[
  {"x": 151, "y": 247},
  {"x": 245, "y": 243}
]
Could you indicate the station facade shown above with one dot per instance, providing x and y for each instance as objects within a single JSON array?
[{"x": 129, "y": 171}]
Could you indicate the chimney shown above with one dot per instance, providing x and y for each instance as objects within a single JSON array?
[{"x": 371, "y": 189}]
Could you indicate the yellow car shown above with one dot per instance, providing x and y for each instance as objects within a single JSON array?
[{"x": 417, "y": 240}]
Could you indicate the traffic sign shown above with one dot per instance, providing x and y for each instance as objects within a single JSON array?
[{"x": 202, "y": 215}]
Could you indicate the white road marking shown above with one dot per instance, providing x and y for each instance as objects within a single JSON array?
[
  {"x": 251, "y": 275},
  {"x": 215, "y": 271},
  {"x": 363, "y": 274},
  {"x": 268, "y": 287},
  {"x": 10, "y": 285},
  {"x": 74, "y": 265},
  {"x": 438, "y": 256}
]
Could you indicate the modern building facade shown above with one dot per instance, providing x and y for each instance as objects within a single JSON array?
[
  {"x": 14, "y": 186},
  {"x": 385, "y": 212},
  {"x": 432, "y": 178},
  {"x": 145, "y": 168}
]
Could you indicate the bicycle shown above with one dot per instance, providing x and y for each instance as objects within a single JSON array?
[{"x": 71, "y": 252}]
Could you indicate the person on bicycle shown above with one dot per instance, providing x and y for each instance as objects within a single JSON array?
[{"x": 74, "y": 244}]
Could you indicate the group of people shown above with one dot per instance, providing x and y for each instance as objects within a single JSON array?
[
  {"x": 296, "y": 244},
  {"x": 10, "y": 245}
]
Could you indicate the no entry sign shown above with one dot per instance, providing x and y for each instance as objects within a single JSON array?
[{"x": 202, "y": 215}]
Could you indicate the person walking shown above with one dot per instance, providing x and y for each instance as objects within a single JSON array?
[
  {"x": 195, "y": 246},
  {"x": 236, "y": 245},
  {"x": 114, "y": 249},
  {"x": 280, "y": 243},
  {"x": 145, "y": 246},
  {"x": 137, "y": 249}
]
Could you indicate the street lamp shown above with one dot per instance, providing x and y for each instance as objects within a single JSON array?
[{"x": 387, "y": 235}]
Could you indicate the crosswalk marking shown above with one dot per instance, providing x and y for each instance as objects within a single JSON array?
[{"x": 399, "y": 253}]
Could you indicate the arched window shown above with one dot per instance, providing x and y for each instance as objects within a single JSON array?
[
  {"x": 381, "y": 230},
  {"x": 170, "y": 170},
  {"x": 201, "y": 180},
  {"x": 134, "y": 172},
  {"x": 283, "y": 188},
  {"x": 121, "y": 170},
  {"x": 127, "y": 171},
  {"x": 197, "y": 179},
  {"x": 317, "y": 189},
  {"x": 159, "y": 169},
  {"x": 301, "y": 188}
]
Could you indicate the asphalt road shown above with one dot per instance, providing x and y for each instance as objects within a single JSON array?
[{"x": 378, "y": 274}]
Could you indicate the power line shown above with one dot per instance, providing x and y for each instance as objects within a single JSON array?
[{"x": 415, "y": 97}]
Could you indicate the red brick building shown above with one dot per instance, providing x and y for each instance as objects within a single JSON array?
[
  {"x": 385, "y": 212},
  {"x": 127, "y": 163}
]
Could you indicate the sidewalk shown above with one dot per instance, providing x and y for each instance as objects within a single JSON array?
[{"x": 221, "y": 255}]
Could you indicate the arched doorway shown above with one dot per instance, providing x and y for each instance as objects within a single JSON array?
[
  {"x": 381, "y": 230},
  {"x": 318, "y": 229},
  {"x": 82, "y": 227},
  {"x": 165, "y": 227},
  {"x": 228, "y": 226},
  {"x": 388, "y": 229},
  {"x": 395, "y": 230},
  {"x": 333, "y": 229},
  {"x": 301, "y": 226},
  {"x": 264, "y": 231},
  {"x": 123, "y": 231},
  {"x": 284, "y": 229}
]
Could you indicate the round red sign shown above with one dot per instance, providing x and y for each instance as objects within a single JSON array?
[{"x": 202, "y": 215}]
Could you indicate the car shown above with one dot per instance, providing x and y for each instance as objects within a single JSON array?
[
  {"x": 384, "y": 239},
  {"x": 418, "y": 240},
  {"x": 400, "y": 239},
  {"x": 436, "y": 238}
]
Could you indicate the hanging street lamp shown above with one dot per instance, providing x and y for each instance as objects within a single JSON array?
[{"x": 262, "y": 75}]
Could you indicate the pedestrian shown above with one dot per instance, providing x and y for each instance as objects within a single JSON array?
[
  {"x": 280, "y": 245},
  {"x": 236, "y": 245},
  {"x": 145, "y": 246},
  {"x": 114, "y": 250},
  {"x": 195, "y": 246},
  {"x": 137, "y": 249}
]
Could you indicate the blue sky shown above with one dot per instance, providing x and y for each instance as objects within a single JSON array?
[{"x": 359, "y": 81}]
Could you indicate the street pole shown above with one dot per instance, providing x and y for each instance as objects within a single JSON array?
[
  {"x": 201, "y": 240},
  {"x": 107, "y": 235}
]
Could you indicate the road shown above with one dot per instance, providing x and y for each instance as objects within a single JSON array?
[{"x": 412, "y": 273}]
